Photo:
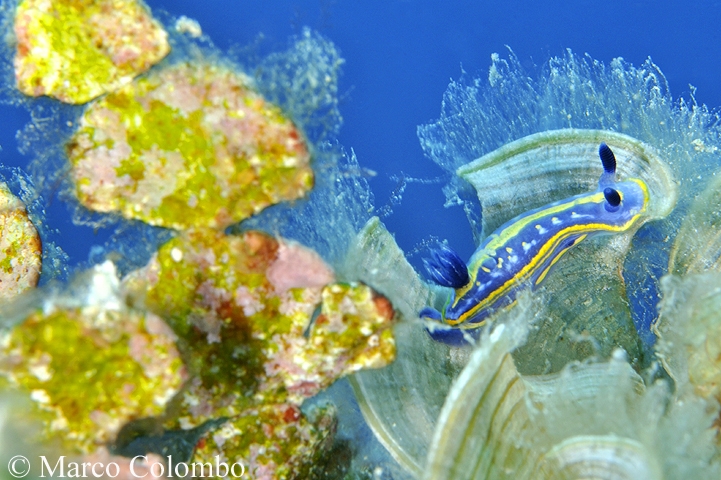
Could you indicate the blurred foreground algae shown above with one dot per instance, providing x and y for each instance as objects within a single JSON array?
[
  {"x": 77, "y": 50},
  {"x": 20, "y": 246},
  {"x": 259, "y": 322}
]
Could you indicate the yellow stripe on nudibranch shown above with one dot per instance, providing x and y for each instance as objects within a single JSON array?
[{"x": 532, "y": 243}]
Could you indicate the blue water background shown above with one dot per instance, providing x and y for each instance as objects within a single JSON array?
[{"x": 400, "y": 56}]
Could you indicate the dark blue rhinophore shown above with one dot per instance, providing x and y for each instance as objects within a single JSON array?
[
  {"x": 613, "y": 199},
  {"x": 446, "y": 268},
  {"x": 608, "y": 159}
]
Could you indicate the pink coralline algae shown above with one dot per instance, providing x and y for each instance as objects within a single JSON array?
[
  {"x": 251, "y": 336},
  {"x": 189, "y": 146},
  {"x": 89, "y": 369},
  {"x": 257, "y": 341},
  {"x": 295, "y": 442},
  {"x": 77, "y": 50},
  {"x": 261, "y": 323},
  {"x": 20, "y": 247}
]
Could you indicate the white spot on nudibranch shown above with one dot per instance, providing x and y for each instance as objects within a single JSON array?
[
  {"x": 541, "y": 230},
  {"x": 556, "y": 221}
]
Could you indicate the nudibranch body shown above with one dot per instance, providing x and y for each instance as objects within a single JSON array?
[{"x": 523, "y": 250}]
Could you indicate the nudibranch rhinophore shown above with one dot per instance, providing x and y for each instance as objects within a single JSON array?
[{"x": 521, "y": 252}]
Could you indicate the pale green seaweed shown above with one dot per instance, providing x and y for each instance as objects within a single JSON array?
[
  {"x": 590, "y": 304},
  {"x": 594, "y": 420},
  {"x": 698, "y": 244}
]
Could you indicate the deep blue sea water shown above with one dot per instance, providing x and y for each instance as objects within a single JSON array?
[{"x": 400, "y": 56}]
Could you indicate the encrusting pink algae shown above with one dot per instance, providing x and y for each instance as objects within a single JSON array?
[
  {"x": 91, "y": 368},
  {"x": 188, "y": 146},
  {"x": 235, "y": 329},
  {"x": 77, "y": 50},
  {"x": 20, "y": 247}
]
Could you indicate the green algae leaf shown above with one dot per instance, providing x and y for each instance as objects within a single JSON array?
[
  {"x": 590, "y": 420},
  {"x": 401, "y": 401},
  {"x": 697, "y": 247},
  {"x": 689, "y": 329}
]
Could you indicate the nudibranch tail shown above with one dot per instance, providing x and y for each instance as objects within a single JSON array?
[
  {"x": 446, "y": 268},
  {"x": 523, "y": 251}
]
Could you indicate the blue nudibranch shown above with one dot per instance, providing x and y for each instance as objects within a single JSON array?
[{"x": 523, "y": 250}]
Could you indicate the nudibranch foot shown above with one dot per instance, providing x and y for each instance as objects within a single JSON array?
[
  {"x": 431, "y": 313},
  {"x": 523, "y": 251},
  {"x": 452, "y": 336}
]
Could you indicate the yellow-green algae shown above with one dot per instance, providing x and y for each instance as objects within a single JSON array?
[
  {"x": 260, "y": 322},
  {"x": 271, "y": 441},
  {"x": 90, "y": 369},
  {"x": 77, "y": 50},
  {"x": 242, "y": 307},
  {"x": 192, "y": 145},
  {"x": 262, "y": 327},
  {"x": 20, "y": 247}
]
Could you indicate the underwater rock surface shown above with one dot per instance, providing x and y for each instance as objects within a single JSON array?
[{"x": 90, "y": 364}]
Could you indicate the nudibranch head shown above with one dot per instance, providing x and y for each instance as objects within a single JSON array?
[{"x": 521, "y": 252}]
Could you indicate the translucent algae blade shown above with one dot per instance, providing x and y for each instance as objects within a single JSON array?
[
  {"x": 76, "y": 51},
  {"x": 191, "y": 145},
  {"x": 20, "y": 247},
  {"x": 689, "y": 330},
  {"x": 401, "y": 401},
  {"x": 587, "y": 313},
  {"x": 588, "y": 421},
  {"x": 375, "y": 258},
  {"x": 556, "y": 164},
  {"x": 697, "y": 247}
]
